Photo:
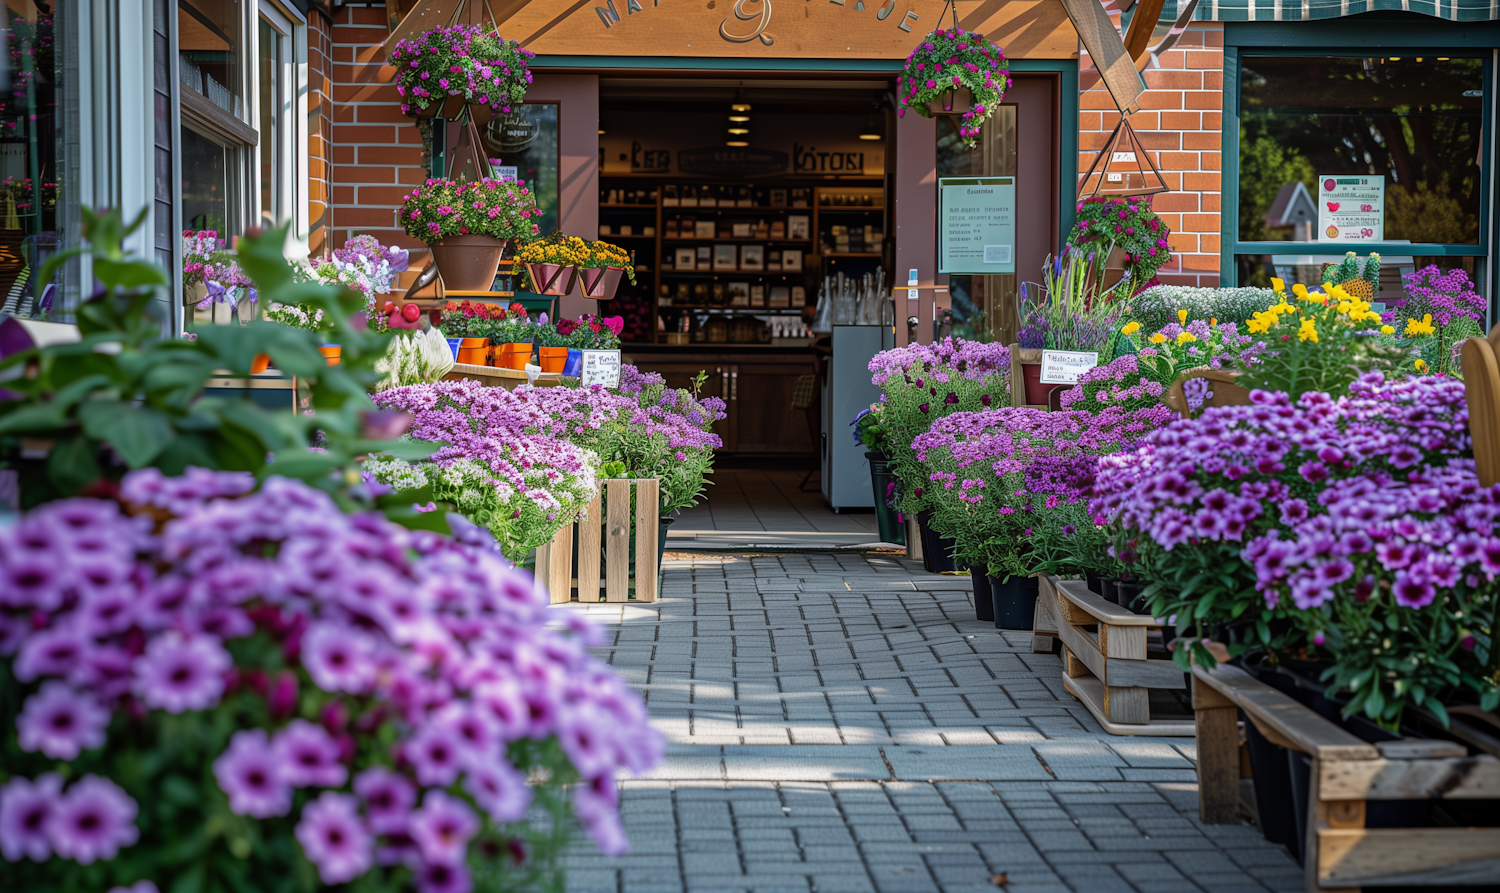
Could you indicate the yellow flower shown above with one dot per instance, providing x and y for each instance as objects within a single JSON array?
[
  {"x": 1387, "y": 330},
  {"x": 1213, "y": 321},
  {"x": 1261, "y": 322},
  {"x": 1283, "y": 307},
  {"x": 1308, "y": 331},
  {"x": 1130, "y": 328},
  {"x": 1300, "y": 291},
  {"x": 1278, "y": 284},
  {"x": 1182, "y": 317},
  {"x": 1185, "y": 337},
  {"x": 1420, "y": 326},
  {"x": 1158, "y": 338},
  {"x": 1337, "y": 291},
  {"x": 1421, "y": 365}
]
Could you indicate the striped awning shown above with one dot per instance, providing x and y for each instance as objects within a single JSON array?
[{"x": 1312, "y": 10}]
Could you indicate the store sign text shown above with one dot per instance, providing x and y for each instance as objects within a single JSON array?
[
  {"x": 808, "y": 160},
  {"x": 755, "y": 12}
]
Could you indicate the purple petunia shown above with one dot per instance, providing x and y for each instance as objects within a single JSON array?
[
  {"x": 180, "y": 673},
  {"x": 309, "y": 756},
  {"x": 442, "y": 828},
  {"x": 334, "y": 839},
  {"x": 388, "y": 798},
  {"x": 250, "y": 772},
  {"x": 338, "y": 657},
  {"x": 25, "y": 807},
  {"x": 61, "y": 722},
  {"x": 92, "y": 821}
]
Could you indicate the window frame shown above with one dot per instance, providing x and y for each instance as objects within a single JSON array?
[
  {"x": 1382, "y": 36},
  {"x": 286, "y": 135}
]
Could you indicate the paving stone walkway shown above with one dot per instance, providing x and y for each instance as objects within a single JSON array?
[{"x": 840, "y": 722}]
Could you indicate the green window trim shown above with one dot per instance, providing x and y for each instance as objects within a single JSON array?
[{"x": 1390, "y": 35}]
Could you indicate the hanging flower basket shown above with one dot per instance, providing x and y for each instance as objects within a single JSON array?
[
  {"x": 1137, "y": 237},
  {"x": 445, "y": 69},
  {"x": 945, "y": 66}
]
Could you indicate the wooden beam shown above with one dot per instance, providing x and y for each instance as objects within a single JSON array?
[
  {"x": 1470, "y": 778},
  {"x": 1107, "y": 52},
  {"x": 423, "y": 17},
  {"x": 1418, "y": 857},
  {"x": 1142, "y": 24},
  {"x": 1275, "y": 713}
]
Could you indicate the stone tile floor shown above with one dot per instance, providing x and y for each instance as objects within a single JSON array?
[{"x": 840, "y": 722}]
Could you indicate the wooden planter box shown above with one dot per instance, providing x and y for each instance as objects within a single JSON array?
[
  {"x": 1104, "y": 658},
  {"x": 604, "y": 538},
  {"x": 1341, "y": 853}
]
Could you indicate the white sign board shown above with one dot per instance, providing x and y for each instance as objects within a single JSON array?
[
  {"x": 1351, "y": 209},
  {"x": 507, "y": 172},
  {"x": 601, "y": 367},
  {"x": 977, "y": 225},
  {"x": 1065, "y": 366}
]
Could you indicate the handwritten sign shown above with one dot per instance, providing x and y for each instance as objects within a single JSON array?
[
  {"x": 977, "y": 225},
  {"x": 1064, "y": 366},
  {"x": 601, "y": 367},
  {"x": 1351, "y": 209}
]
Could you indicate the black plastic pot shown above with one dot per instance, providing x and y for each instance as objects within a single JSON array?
[
  {"x": 1015, "y": 602},
  {"x": 891, "y": 529},
  {"x": 984, "y": 605},
  {"x": 1095, "y": 584},
  {"x": 661, "y": 538},
  {"x": 1128, "y": 596},
  {"x": 937, "y": 550}
]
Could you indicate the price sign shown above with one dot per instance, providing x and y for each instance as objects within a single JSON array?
[
  {"x": 977, "y": 225},
  {"x": 1351, "y": 209},
  {"x": 601, "y": 367},
  {"x": 1065, "y": 366}
]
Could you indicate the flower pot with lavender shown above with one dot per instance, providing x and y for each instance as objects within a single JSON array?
[
  {"x": 468, "y": 224},
  {"x": 366, "y": 267},
  {"x": 954, "y": 72},
  {"x": 210, "y": 273},
  {"x": 442, "y": 70}
]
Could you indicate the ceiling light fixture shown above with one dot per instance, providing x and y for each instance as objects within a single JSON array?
[
  {"x": 737, "y": 143},
  {"x": 741, "y": 102},
  {"x": 739, "y": 131},
  {"x": 601, "y": 131},
  {"x": 739, "y": 119},
  {"x": 873, "y": 125}
]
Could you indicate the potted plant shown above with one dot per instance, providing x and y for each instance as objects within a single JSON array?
[
  {"x": 869, "y": 432},
  {"x": 944, "y": 65},
  {"x": 467, "y": 322},
  {"x": 1072, "y": 313},
  {"x": 600, "y": 272},
  {"x": 443, "y": 69},
  {"x": 510, "y": 333},
  {"x": 364, "y": 266},
  {"x": 1135, "y": 236},
  {"x": 551, "y": 264},
  {"x": 210, "y": 274},
  {"x": 552, "y": 346},
  {"x": 467, "y": 225}
]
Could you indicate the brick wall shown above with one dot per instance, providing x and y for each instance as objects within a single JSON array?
[
  {"x": 1179, "y": 125},
  {"x": 319, "y": 128}
]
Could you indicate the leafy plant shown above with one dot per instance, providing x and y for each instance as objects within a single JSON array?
[
  {"x": 604, "y": 254},
  {"x": 126, "y": 397},
  {"x": 461, "y": 60},
  {"x": 952, "y": 58},
  {"x": 501, "y": 209},
  {"x": 1130, "y": 224}
]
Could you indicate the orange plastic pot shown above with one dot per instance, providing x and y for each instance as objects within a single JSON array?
[
  {"x": 260, "y": 363},
  {"x": 474, "y": 351},
  {"x": 332, "y": 353},
  {"x": 513, "y": 356},
  {"x": 553, "y": 359}
]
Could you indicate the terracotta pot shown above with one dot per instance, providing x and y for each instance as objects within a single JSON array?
[
  {"x": 468, "y": 263},
  {"x": 952, "y": 102},
  {"x": 553, "y": 359},
  {"x": 331, "y": 352},
  {"x": 602, "y": 283},
  {"x": 481, "y": 113},
  {"x": 1036, "y": 392},
  {"x": 513, "y": 356},
  {"x": 472, "y": 351},
  {"x": 551, "y": 279},
  {"x": 449, "y": 107},
  {"x": 260, "y": 363}
]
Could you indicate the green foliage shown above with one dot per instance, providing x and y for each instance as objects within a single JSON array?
[
  {"x": 126, "y": 396},
  {"x": 1322, "y": 343}
]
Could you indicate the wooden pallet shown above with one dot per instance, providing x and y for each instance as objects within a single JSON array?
[
  {"x": 604, "y": 533},
  {"x": 501, "y": 377},
  {"x": 1341, "y": 853},
  {"x": 1105, "y": 664}
]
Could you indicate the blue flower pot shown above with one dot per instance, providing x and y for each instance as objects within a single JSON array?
[
  {"x": 574, "y": 365},
  {"x": 453, "y": 344}
]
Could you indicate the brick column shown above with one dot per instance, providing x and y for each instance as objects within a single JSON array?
[{"x": 319, "y": 129}]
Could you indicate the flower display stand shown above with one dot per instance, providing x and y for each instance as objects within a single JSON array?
[
  {"x": 603, "y": 533},
  {"x": 1105, "y": 664},
  {"x": 501, "y": 377},
  {"x": 1224, "y": 391},
  {"x": 1342, "y": 854},
  {"x": 1044, "y": 624}
]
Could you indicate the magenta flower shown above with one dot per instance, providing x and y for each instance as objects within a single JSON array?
[
  {"x": 25, "y": 807},
  {"x": 177, "y": 673},
  {"x": 309, "y": 756},
  {"x": 338, "y": 657},
  {"x": 388, "y": 798},
  {"x": 61, "y": 722},
  {"x": 438, "y": 877},
  {"x": 443, "y": 827},
  {"x": 499, "y": 789},
  {"x": 92, "y": 821},
  {"x": 334, "y": 839},
  {"x": 250, "y": 772}
]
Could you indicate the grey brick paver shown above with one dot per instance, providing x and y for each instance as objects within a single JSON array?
[{"x": 874, "y": 738}]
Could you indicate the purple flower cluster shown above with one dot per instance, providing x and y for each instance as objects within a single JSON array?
[
  {"x": 1119, "y": 383},
  {"x": 972, "y": 360},
  {"x": 1447, "y": 294},
  {"x": 440, "y": 647}
]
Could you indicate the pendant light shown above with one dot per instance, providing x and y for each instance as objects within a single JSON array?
[
  {"x": 741, "y": 102},
  {"x": 872, "y": 128},
  {"x": 739, "y": 120}
]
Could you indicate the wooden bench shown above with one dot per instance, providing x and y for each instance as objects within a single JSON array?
[
  {"x": 1224, "y": 391},
  {"x": 1341, "y": 853},
  {"x": 1105, "y": 664},
  {"x": 604, "y": 537}
]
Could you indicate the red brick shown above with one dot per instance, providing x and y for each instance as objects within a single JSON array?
[
  {"x": 1175, "y": 201},
  {"x": 344, "y": 195},
  {"x": 1213, "y": 37},
  {"x": 353, "y": 173},
  {"x": 1200, "y": 262},
  {"x": 380, "y": 113},
  {"x": 1209, "y": 161},
  {"x": 1179, "y": 161},
  {"x": 1213, "y": 120},
  {"x": 1197, "y": 139},
  {"x": 1203, "y": 99},
  {"x": 1089, "y": 121},
  {"x": 1213, "y": 80},
  {"x": 1139, "y": 121},
  {"x": 1161, "y": 99},
  {"x": 1180, "y": 120},
  {"x": 1182, "y": 242},
  {"x": 1205, "y": 60},
  {"x": 1160, "y": 140},
  {"x": 1161, "y": 79},
  {"x": 1173, "y": 58},
  {"x": 351, "y": 133},
  {"x": 1095, "y": 99},
  {"x": 343, "y": 154},
  {"x": 1210, "y": 200},
  {"x": 1094, "y": 140},
  {"x": 366, "y": 217},
  {"x": 368, "y": 15},
  {"x": 1201, "y": 182},
  {"x": 1208, "y": 243},
  {"x": 374, "y": 196},
  {"x": 1200, "y": 223},
  {"x": 1173, "y": 221}
]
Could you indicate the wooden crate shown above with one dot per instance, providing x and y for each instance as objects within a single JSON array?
[
  {"x": 1341, "y": 853},
  {"x": 500, "y": 377},
  {"x": 604, "y": 533},
  {"x": 1105, "y": 664}
]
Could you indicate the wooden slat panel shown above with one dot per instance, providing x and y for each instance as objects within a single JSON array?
[
  {"x": 1144, "y": 673},
  {"x": 1420, "y": 749},
  {"x": 541, "y": 574},
  {"x": 560, "y": 566},
  {"x": 1083, "y": 648},
  {"x": 1350, "y": 857},
  {"x": 1128, "y": 642},
  {"x": 1277, "y": 714},
  {"x": 617, "y": 530},
  {"x": 1077, "y": 592},
  {"x": 1218, "y": 737},
  {"x": 1482, "y": 392},
  {"x": 588, "y": 552},
  {"x": 647, "y": 521},
  {"x": 1453, "y": 778}
]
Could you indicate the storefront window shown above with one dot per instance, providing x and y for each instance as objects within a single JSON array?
[
  {"x": 270, "y": 123},
  {"x": 526, "y": 140},
  {"x": 206, "y": 195},
  {"x": 1410, "y": 125},
  {"x": 209, "y": 40},
  {"x": 38, "y": 106}
]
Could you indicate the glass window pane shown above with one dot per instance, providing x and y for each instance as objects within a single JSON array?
[
  {"x": 1413, "y": 121},
  {"x": 270, "y": 123},
  {"x": 209, "y": 40},
  {"x": 205, "y": 183}
]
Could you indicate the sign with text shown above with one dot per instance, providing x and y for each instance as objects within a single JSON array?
[
  {"x": 1064, "y": 366},
  {"x": 601, "y": 367},
  {"x": 977, "y": 225},
  {"x": 1351, "y": 209}
]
